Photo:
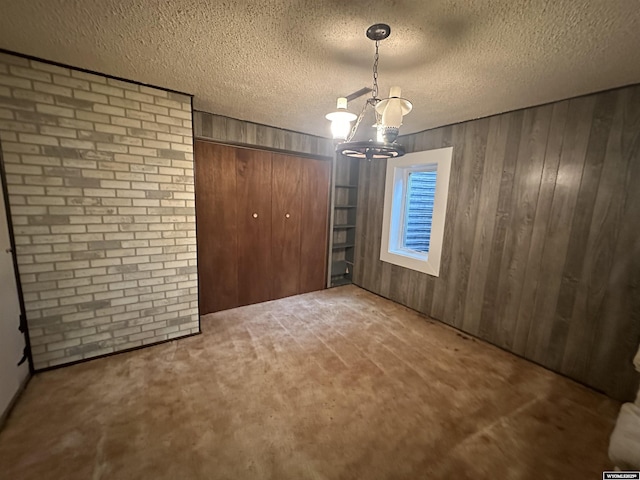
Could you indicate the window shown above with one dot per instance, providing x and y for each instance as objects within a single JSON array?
[{"x": 415, "y": 203}]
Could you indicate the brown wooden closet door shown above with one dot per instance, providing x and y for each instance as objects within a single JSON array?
[
  {"x": 215, "y": 184},
  {"x": 315, "y": 178},
  {"x": 254, "y": 225},
  {"x": 286, "y": 217}
]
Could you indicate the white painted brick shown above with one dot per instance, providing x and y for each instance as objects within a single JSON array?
[
  {"x": 168, "y": 103},
  {"x": 169, "y": 137},
  {"x": 146, "y": 116},
  {"x": 108, "y": 109},
  {"x": 52, "y": 89},
  {"x": 124, "y": 301},
  {"x": 91, "y": 97},
  {"x": 140, "y": 97},
  {"x": 107, "y": 89},
  {"x": 53, "y": 110},
  {"x": 126, "y": 140},
  {"x": 5, "y": 113},
  {"x": 96, "y": 338},
  {"x": 162, "y": 119},
  {"x": 156, "y": 127},
  {"x": 124, "y": 103},
  {"x": 38, "y": 139},
  {"x": 73, "y": 123},
  {"x": 125, "y": 122},
  {"x": 39, "y": 97},
  {"x": 180, "y": 114},
  {"x": 11, "y": 81},
  {"x": 58, "y": 131},
  {"x": 182, "y": 147},
  {"x": 92, "y": 116},
  {"x": 74, "y": 163},
  {"x": 151, "y": 152},
  {"x": 30, "y": 73},
  {"x": 115, "y": 129},
  {"x": 153, "y": 91},
  {"x": 110, "y": 147},
  {"x": 104, "y": 197},
  {"x": 108, "y": 295},
  {"x": 13, "y": 147},
  {"x": 145, "y": 107},
  {"x": 70, "y": 82},
  {"x": 52, "y": 347},
  {"x": 181, "y": 130},
  {"x": 122, "y": 84},
  {"x": 8, "y": 136}
]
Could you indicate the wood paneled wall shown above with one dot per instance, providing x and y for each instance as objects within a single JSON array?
[
  {"x": 209, "y": 126},
  {"x": 542, "y": 240}
]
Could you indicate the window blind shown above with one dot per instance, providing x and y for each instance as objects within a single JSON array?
[{"x": 421, "y": 191}]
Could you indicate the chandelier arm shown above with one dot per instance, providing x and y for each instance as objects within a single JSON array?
[{"x": 357, "y": 124}]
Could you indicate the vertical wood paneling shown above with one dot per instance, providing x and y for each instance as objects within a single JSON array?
[
  {"x": 218, "y": 128},
  {"x": 542, "y": 245},
  {"x": 545, "y": 343},
  {"x": 489, "y": 323},
  {"x": 470, "y": 168},
  {"x": 483, "y": 236},
  {"x": 621, "y": 303},
  {"x": 594, "y": 230},
  {"x": 440, "y": 288},
  {"x": 532, "y": 278},
  {"x": 524, "y": 199}
]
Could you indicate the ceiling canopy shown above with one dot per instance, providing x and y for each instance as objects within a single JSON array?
[{"x": 284, "y": 62}]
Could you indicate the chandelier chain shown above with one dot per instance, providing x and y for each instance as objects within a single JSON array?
[
  {"x": 370, "y": 101},
  {"x": 374, "y": 93}
]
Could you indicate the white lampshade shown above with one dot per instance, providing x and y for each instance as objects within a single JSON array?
[
  {"x": 341, "y": 120},
  {"x": 393, "y": 108}
]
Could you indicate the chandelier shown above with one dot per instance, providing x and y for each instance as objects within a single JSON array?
[{"x": 388, "y": 114}]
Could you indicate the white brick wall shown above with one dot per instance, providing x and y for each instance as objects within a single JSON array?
[{"x": 100, "y": 182}]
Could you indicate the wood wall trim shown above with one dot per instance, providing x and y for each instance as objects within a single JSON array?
[{"x": 231, "y": 131}]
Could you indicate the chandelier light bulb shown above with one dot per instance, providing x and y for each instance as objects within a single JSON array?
[
  {"x": 392, "y": 114},
  {"x": 341, "y": 120},
  {"x": 392, "y": 110}
]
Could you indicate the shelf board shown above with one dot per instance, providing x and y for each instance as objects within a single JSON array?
[
  {"x": 340, "y": 227},
  {"x": 346, "y": 186},
  {"x": 342, "y": 281},
  {"x": 344, "y": 206},
  {"x": 337, "y": 246}
]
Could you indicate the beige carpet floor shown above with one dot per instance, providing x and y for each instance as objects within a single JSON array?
[{"x": 337, "y": 384}]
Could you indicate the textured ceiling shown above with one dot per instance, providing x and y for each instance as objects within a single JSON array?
[{"x": 284, "y": 62}]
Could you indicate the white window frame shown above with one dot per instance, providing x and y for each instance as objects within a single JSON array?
[{"x": 395, "y": 196}]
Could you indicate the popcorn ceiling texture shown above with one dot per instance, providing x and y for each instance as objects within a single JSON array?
[
  {"x": 284, "y": 62},
  {"x": 100, "y": 183}
]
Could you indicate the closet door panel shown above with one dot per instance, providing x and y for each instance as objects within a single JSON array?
[
  {"x": 286, "y": 218},
  {"x": 254, "y": 225},
  {"x": 315, "y": 179},
  {"x": 215, "y": 183}
]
